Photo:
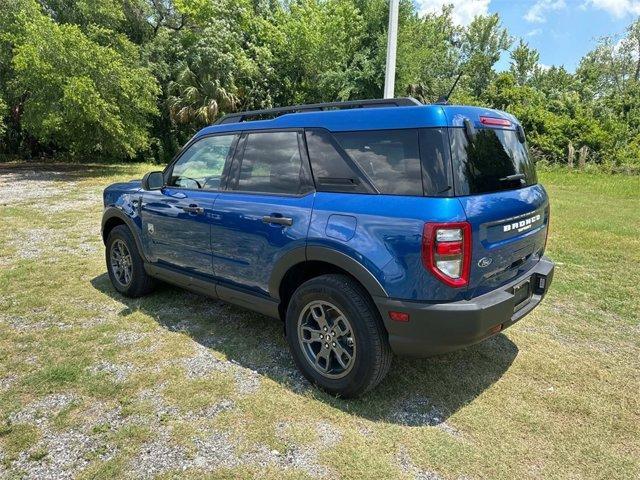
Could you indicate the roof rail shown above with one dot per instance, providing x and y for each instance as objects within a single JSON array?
[{"x": 315, "y": 107}]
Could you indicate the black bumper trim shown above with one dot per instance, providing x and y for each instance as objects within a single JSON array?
[{"x": 439, "y": 328}]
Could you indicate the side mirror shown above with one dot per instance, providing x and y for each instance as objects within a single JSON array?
[{"x": 153, "y": 181}]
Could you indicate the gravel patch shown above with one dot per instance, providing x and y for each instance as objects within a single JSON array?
[
  {"x": 22, "y": 323},
  {"x": 37, "y": 243},
  {"x": 119, "y": 372},
  {"x": 158, "y": 456},
  {"x": 67, "y": 453},
  {"x": 64, "y": 454},
  {"x": 40, "y": 411},
  {"x": 217, "y": 450},
  {"x": 29, "y": 185},
  {"x": 203, "y": 363},
  {"x": 161, "y": 406},
  {"x": 420, "y": 412},
  {"x": 128, "y": 338},
  {"x": 86, "y": 202},
  {"x": 209, "y": 412},
  {"x": 7, "y": 382},
  {"x": 105, "y": 417},
  {"x": 328, "y": 435}
]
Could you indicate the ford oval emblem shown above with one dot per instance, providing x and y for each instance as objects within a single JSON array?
[{"x": 485, "y": 262}]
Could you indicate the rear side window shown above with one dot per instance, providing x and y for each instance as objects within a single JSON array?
[
  {"x": 436, "y": 162},
  {"x": 272, "y": 163},
  {"x": 332, "y": 168},
  {"x": 390, "y": 158},
  {"x": 495, "y": 160}
]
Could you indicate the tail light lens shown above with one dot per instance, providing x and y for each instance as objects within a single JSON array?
[{"x": 446, "y": 251}]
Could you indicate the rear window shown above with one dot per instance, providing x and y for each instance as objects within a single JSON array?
[{"x": 495, "y": 160}]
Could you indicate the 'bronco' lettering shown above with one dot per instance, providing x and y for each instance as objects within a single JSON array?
[{"x": 522, "y": 225}]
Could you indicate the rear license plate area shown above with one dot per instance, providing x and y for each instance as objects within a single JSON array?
[{"x": 521, "y": 294}]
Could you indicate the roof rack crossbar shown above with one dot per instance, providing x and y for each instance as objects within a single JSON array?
[{"x": 379, "y": 102}]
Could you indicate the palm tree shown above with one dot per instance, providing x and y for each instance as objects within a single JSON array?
[{"x": 198, "y": 98}]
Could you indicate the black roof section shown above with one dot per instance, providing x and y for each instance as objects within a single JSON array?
[{"x": 315, "y": 107}]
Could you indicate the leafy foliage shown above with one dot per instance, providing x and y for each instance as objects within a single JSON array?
[{"x": 136, "y": 78}]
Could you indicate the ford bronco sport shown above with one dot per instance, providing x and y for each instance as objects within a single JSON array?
[{"x": 370, "y": 228}]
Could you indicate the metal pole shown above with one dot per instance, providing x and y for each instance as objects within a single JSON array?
[{"x": 392, "y": 41}]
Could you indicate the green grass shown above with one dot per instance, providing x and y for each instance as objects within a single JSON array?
[{"x": 555, "y": 396}]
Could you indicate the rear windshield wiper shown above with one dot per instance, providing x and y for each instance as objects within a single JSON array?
[{"x": 511, "y": 178}]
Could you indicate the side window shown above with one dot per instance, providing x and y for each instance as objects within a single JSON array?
[
  {"x": 272, "y": 163},
  {"x": 202, "y": 164},
  {"x": 436, "y": 164},
  {"x": 390, "y": 158},
  {"x": 332, "y": 169}
]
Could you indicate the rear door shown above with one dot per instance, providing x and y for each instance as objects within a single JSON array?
[
  {"x": 496, "y": 183},
  {"x": 265, "y": 211}
]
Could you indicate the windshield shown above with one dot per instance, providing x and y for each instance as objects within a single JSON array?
[{"x": 495, "y": 160}]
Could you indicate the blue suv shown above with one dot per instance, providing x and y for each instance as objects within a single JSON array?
[{"x": 370, "y": 228}]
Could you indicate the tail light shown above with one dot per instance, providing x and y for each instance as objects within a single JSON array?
[{"x": 446, "y": 251}]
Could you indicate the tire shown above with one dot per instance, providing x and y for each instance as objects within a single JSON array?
[
  {"x": 365, "y": 352},
  {"x": 139, "y": 283}
]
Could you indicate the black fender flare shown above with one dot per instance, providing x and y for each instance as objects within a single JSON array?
[
  {"x": 114, "y": 212},
  {"x": 327, "y": 255}
]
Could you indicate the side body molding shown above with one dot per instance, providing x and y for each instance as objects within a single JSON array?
[{"x": 327, "y": 255}]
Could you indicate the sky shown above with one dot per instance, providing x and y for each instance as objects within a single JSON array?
[{"x": 561, "y": 30}]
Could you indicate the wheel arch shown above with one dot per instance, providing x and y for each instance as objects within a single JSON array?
[
  {"x": 303, "y": 264},
  {"x": 113, "y": 217}
]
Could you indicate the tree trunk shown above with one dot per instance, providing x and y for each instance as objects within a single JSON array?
[
  {"x": 582, "y": 156},
  {"x": 571, "y": 155}
]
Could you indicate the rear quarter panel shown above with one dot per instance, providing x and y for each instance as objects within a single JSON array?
[{"x": 384, "y": 234}]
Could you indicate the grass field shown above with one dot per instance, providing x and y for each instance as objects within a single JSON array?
[{"x": 94, "y": 385}]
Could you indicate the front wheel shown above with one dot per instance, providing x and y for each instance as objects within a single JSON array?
[
  {"x": 336, "y": 336},
  {"x": 125, "y": 265}
]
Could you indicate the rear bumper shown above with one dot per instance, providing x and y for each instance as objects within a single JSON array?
[{"x": 439, "y": 328}]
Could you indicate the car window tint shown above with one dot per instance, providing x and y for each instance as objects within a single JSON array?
[
  {"x": 332, "y": 170},
  {"x": 271, "y": 163},
  {"x": 390, "y": 158},
  {"x": 202, "y": 164},
  {"x": 487, "y": 163},
  {"x": 436, "y": 176}
]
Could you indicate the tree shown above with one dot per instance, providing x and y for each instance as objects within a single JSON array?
[
  {"x": 483, "y": 41},
  {"x": 524, "y": 62},
  {"x": 73, "y": 93}
]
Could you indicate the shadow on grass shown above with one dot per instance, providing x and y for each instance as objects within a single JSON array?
[{"x": 416, "y": 392}]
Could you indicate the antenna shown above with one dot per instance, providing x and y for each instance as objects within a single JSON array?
[{"x": 444, "y": 99}]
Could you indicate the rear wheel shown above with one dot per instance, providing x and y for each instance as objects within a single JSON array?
[
  {"x": 125, "y": 265},
  {"x": 336, "y": 336}
]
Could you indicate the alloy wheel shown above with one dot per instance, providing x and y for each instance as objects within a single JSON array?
[{"x": 326, "y": 337}]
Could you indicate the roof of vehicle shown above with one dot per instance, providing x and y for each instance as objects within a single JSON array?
[{"x": 366, "y": 118}]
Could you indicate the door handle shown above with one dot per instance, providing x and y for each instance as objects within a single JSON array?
[
  {"x": 278, "y": 220},
  {"x": 193, "y": 208}
]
